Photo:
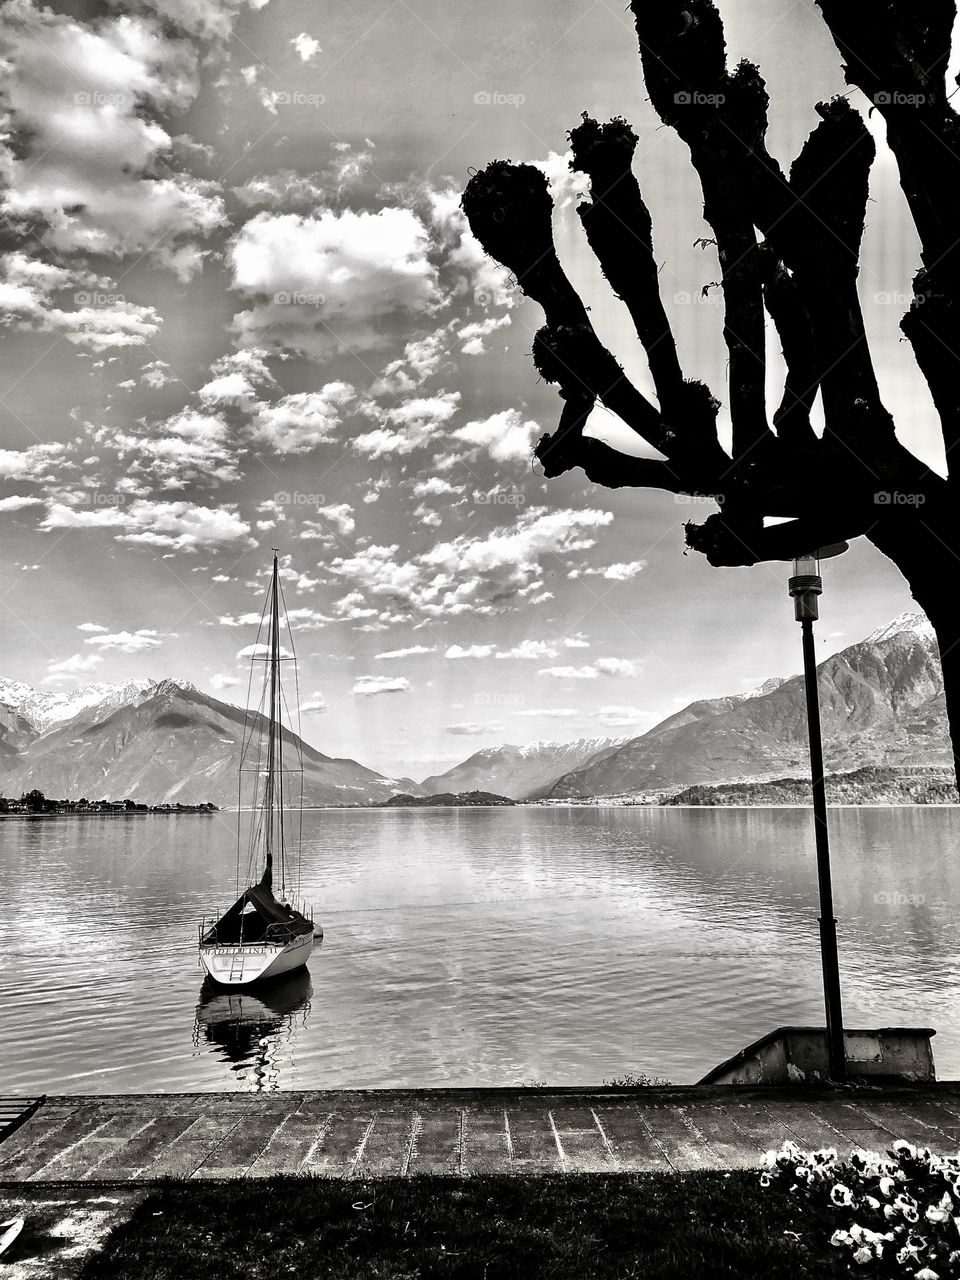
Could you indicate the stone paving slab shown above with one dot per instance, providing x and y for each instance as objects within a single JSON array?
[{"x": 137, "y": 1138}]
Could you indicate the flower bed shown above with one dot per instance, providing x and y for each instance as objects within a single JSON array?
[{"x": 898, "y": 1214}]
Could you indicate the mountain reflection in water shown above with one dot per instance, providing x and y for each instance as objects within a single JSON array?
[{"x": 250, "y": 1027}]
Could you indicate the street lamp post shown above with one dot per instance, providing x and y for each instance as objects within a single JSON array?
[{"x": 805, "y": 586}]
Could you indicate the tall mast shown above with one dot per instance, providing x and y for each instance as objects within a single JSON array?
[{"x": 267, "y": 880}]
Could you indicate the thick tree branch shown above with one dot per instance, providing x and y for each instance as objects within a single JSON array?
[
  {"x": 510, "y": 212},
  {"x": 897, "y": 54},
  {"x": 818, "y": 235},
  {"x": 619, "y": 230},
  {"x": 786, "y": 309},
  {"x": 720, "y": 117}
]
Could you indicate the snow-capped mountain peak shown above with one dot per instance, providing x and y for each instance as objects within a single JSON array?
[
  {"x": 917, "y": 624},
  {"x": 45, "y": 709},
  {"x": 768, "y": 686}
]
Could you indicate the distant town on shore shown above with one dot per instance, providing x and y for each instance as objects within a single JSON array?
[{"x": 35, "y": 804}]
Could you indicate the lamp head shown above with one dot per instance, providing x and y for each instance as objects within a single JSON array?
[{"x": 805, "y": 585}]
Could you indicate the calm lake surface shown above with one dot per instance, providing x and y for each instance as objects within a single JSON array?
[{"x": 484, "y": 946}]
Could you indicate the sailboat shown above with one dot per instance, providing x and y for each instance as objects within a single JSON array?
[{"x": 263, "y": 935}]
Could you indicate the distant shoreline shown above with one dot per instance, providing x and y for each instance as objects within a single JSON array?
[{"x": 155, "y": 813}]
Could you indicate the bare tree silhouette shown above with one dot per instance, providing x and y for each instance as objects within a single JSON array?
[{"x": 789, "y": 247}]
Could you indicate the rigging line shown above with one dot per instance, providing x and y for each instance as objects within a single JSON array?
[{"x": 299, "y": 747}]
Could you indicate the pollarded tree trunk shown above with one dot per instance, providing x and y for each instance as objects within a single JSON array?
[
  {"x": 929, "y": 563},
  {"x": 788, "y": 246}
]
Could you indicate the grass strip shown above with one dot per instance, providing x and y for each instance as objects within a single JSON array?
[{"x": 662, "y": 1226}]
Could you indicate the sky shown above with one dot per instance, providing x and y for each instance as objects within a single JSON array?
[{"x": 241, "y": 309}]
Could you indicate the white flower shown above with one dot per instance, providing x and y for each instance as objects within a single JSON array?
[
  {"x": 841, "y": 1196},
  {"x": 840, "y": 1238},
  {"x": 907, "y": 1207},
  {"x": 886, "y": 1186},
  {"x": 904, "y": 1149},
  {"x": 926, "y": 1273},
  {"x": 863, "y": 1255}
]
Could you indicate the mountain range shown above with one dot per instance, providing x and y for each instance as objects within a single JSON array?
[
  {"x": 155, "y": 741},
  {"x": 518, "y": 771},
  {"x": 881, "y": 703}
]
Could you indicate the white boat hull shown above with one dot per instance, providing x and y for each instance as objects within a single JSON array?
[{"x": 246, "y": 962}]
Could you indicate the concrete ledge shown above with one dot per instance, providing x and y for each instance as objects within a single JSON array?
[
  {"x": 793, "y": 1055},
  {"x": 461, "y": 1132}
]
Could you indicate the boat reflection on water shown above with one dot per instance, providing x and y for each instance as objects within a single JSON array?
[{"x": 249, "y": 1027}]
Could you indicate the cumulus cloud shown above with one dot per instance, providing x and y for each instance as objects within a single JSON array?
[
  {"x": 315, "y": 704},
  {"x": 98, "y": 319},
  {"x": 529, "y": 650},
  {"x": 306, "y": 46},
  {"x": 181, "y": 526},
  {"x": 92, "y": 626},
  {"x": 89, "y": 161},
  {"x": 223, "y": 680},
  {"x": 17, "y": 502},
  {"x": 567, "y": 186},
  {"x": 552, "y": 713},
  {"x": 368, "y": 686},
  {"x": 191, "y": 445},
  {"x": 154, "y": 374},
  {"x": 616, "y": 667},
  {"x": 37, "y": 464},
  {"x": 436, "y": 487},
  {"x": 77, "y": 665},
  {"x": 408, "y": 425},
  {"x": 301, "y": 421},
  {"x": 421, "y": 359},
  {"x": 261, "y": 651},
  {"x": 126, "y": 641},
  {"x": 479, "y": 575},
  {"x": 472, "y": 335},
  {"x": 622, "y": 571},
  {"x": 483, "y": 573},
  {"x": 292, "y": 190},
  {"x": 471, "y": 651},
  {"x": 332, "y": 281},
  {"x": 505, "y": 436},
  {"x": 339, "y": 515},
  {"x": 601, "y": 667},
  {"x": 410, "y": 652}
]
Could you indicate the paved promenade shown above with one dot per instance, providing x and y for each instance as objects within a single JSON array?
[{"x": 375, "y": 1133}]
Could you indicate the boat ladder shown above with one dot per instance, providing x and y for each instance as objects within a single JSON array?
[{"x": 236, "y": 965}]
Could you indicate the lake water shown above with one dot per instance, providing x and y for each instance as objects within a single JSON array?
[{"x": 470, "y": 946}]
